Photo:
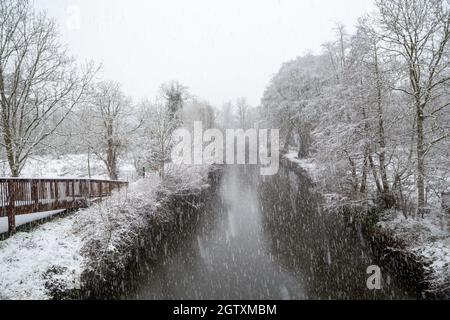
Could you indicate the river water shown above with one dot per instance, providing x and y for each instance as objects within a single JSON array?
[{"x": 267, "y": 238}]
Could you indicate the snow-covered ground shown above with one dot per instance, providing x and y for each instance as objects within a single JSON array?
[
  {"x": 428, "y": 238},
  {"x": 55, "y": 251},
  {"x": 27, "y": 218},
  {"x": 71, "y": 166},
  {"x": 27, "y": 257},
  {"x": 315, "y": 173},
  {"x": 67, "y": 167},
  {"x": 308, "y": 165}
]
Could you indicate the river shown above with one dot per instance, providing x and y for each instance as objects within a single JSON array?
[{"x": 267, "y": 238}]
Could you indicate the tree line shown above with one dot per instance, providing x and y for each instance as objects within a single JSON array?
[
  {"x": 373, "y": 107},
  {"x": 51, "y": 104}
]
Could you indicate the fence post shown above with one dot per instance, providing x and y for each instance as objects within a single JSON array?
[
  {"x": 73, "y": 193},
  {"x": 37, "y": 195},
  {"x": 34, "y": 194},
  {"x": 11, "y": 208},
  {"x": 56, "y": 193},
  {"x": 67, "y": 194}
]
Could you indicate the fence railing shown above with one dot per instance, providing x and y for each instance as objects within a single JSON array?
[{"x": 25, "y": 196}]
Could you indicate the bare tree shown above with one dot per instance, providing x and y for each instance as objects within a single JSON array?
[
  {"x": 109, "y": 124},
  {"x": 160, "y": 128},
  {"x": 373, "y": 84},
  {"x": 242, "y": 110},
  {"x": 417, "y": 33},
  {"x": 38, "y": 81}
]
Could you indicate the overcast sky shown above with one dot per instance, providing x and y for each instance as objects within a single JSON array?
[{"x": 221, "y": 50}]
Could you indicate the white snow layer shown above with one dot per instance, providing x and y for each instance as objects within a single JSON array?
[
  {"x": 25, "y": 258},
  {"x": 308, "y": 165},
  {"x": 27, "y": 218},
  {"x": 428, "y": 238}
]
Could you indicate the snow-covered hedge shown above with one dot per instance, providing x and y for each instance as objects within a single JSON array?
[
  {"x": 429, "y": 239},
  {"x": 55, "y": 259}
]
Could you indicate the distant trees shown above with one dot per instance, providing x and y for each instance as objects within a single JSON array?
[
  {"x": 160, "y": 118},
  {"x": 226, "y": 116},
  {"x": 153, "y": 145},
  {"x": 199, "y": 110},
  {"x": 243, "y": 109},
  {"x": 288, "y": 100},
  {"x": 417, "y": 35},
  {"x": 39, "y": 84},
  {"x": 373, "y": 108},
  {"x": 175, "y": 95},
  {"x": 237, "y": 114},
  {"x": 49, "y": 104},
  {"x": 161, "y": 128},
  {"x": 109, "y": 122}
]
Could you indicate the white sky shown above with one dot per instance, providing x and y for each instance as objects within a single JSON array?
[{"x": 221, "y": 50}]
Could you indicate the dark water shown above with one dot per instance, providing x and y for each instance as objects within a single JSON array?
[{"x": 267, "y": 238}]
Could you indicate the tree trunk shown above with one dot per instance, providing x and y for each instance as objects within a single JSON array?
[
  {"x": 162, "y": 173},
  {"x": 89, "y": 163},
  {"x": 402, "y": 205},
  {"x": 304, "y": 133},
  {"x": 288, "y": 139},
  {"x": 381, "y": 131},
  {"x": 363, "y": 189},
  {"x": 111, "y": 154},
  {"x": 354, "y": 178},
  {"x": 375, "y": 175},
  {"x": 113, "y": 172},
  {"x": 9, "y": 147},
  {"x": 15, "y": 172},
  {"x": 421, "y": 199},
  {"x": 112, "y": 165}
]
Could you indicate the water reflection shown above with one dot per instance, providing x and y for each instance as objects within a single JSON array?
[
  {"x": 265, "y": 239},
  {"x": 319, "y": 247}
]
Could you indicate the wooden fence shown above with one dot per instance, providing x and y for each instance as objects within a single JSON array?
[{"x": 25, "y": 196}]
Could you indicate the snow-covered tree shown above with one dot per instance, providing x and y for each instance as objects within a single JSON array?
[
  {"x": 108, "y": 122},
  {"x": 416, "y": 34},
  {"x": 40, "y": 84},
  {"x": 373, "y": 107},
  {"x": 175, "y": 95},
  {"x": 155, "y": 142}
]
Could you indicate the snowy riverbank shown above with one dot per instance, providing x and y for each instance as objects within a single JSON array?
[
  {"x": 427, "y": 239},
  {"x": 51, "y": 261}
]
